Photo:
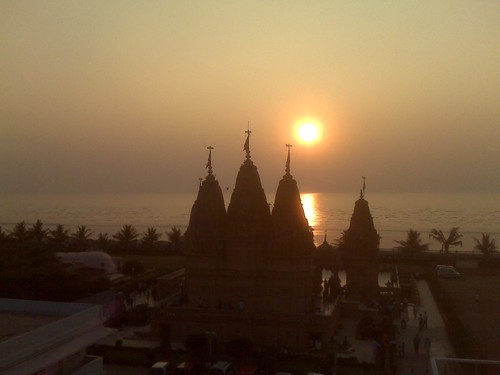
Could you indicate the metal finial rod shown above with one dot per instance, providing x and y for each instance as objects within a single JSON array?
[
  {"x": 287, "y": 166},
  {"x": 209, "y": 162},
  {"x": 246, "y": 147}
]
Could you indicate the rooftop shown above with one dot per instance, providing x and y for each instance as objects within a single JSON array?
[{"x": 14, "y": 324}]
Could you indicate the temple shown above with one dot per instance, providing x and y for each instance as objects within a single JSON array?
[{"x": 249, "y": 271}]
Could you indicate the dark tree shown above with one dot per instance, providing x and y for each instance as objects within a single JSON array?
[
  {"x": 413, "y": 243},
  {"x": 81, "y": 236},
  {"x": 175, "y": 238},
  {"x": 150, "y": 238},
  {"x": 59, "y": 236},
  {"x": 126, "y": 237},
  {"x": 3, "y": 235},
  {"x": 103, "y": 241},
  {"x": 339, "y": 243},
  {"x": 37, "y": 233},
  {"x": 19, "y": 232},
  {"x": 453, "y": 239},
  {"x": 31, "y": 270},
  {"x": 486, "y": 245}
]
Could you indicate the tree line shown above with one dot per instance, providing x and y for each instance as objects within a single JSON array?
[
  {"x": 126, "y": 239},
  {"x": 414, "y": 244}
]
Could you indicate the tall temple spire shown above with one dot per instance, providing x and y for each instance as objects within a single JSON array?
[
  {"x": 287, "y": 167},
  {"x": 209, "y": 162},
  {"x": 246, "y": 147}
]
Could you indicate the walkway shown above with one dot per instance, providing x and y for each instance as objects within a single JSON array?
[{"x": 414, "y": 363}]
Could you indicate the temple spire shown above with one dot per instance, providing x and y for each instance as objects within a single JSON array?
[
  {"x": 246, "y": 147},
  {"x": 209, "y": 162},
  {"x": 287, "y": 167}
]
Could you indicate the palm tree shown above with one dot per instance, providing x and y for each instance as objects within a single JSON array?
[
  {"x": 103, "y": 240},
  {"x": 127, "y": 236},
  {"x": 486, "y": 245},
  {"x": 19, "y": 232},
  {"x": 59, "y": 235},
  {"x": 413, "y": 243},
  {"x": 37, "y": 232},
  {"x": 175, "y": 237},
  {"x": 150, "y": 237},
  {"x": 3, "y": 235},
  {"x": 81, "y": 236},
  {"x": 339, "y": 243},
  {"x": 453, "y": 238}
]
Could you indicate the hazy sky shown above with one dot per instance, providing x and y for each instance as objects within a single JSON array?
[{"x": 125, "y": 96}]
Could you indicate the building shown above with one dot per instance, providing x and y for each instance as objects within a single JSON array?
[
  {"x": 249, "y": 271},
  {"x": 38, "y": 337}
]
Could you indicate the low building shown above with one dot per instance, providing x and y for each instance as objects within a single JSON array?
[{"x": 39, "y": 337}]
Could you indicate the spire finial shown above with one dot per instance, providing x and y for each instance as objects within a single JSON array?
[
  {"x": 246, "y": 147},
  {"x": 209, "y": 162},
  {"x": 287, "y": 167},
  {"x": 325, "y": 237},
  {"x": 362, "y": 191}
]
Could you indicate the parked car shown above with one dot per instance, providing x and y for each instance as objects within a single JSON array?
[
  {"x": 222, "y": 368},
  {"x": 159, "y": 368},
  {"x": 250, "y": 370},
  {"x": 447, "y": 272},
  {"x": 188, "y": 368}
]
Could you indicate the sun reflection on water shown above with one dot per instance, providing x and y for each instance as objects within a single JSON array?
[{"x": 310, "y": 205}]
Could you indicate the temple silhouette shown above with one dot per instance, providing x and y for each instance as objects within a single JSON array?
[{"x": 250, "y": 272}]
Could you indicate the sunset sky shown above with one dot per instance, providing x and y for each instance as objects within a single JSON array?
[{"x": 125, "y": 96}]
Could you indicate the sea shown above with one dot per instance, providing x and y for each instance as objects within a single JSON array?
[{"x": 328, "y": 213}]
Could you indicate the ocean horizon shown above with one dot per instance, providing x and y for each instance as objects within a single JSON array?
[{"x": 330, "y": 213}]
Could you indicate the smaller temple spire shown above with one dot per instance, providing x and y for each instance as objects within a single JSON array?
[
  {"x": 209, "y": 162},
  {"x": 246, "y": 147},
  {"x": 287, "y": 167},
  {"x": 325, "y": 241},
  {"x": 362, "y": 191}
]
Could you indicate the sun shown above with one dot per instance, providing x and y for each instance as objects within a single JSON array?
[{"x": 308, "y": 132}]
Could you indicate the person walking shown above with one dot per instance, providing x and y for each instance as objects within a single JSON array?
[{"x": 416, "y": 343}]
